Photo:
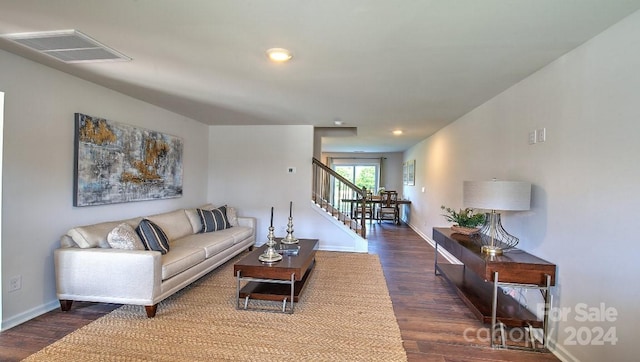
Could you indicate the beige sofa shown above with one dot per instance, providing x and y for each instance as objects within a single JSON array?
[{"x": 88, "y": 269}]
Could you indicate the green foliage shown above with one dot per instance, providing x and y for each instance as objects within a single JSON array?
[
  {"x": 346, "y": 172},
  {"x": 366, "y": 177},
  {"x": 362, "y": 176},
  {"x": 464, "y": 217}
]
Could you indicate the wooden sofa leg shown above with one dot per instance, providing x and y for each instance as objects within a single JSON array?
[
  {"x": 151, "y": 310},
  {"x": 65, "y": 305}
]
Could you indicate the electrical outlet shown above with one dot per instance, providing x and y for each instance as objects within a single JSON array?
[
  {"x": 541, "y": 135},
  {"x": 15, "y": 283},
  {"x": 532, "y": 137}
]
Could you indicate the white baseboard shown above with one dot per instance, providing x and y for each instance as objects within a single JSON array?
[
  {"x": 452, "y": 259},
  {"x": 29, "y": 314}
]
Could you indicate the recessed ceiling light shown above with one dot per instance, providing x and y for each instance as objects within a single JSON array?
[
  {"x": 279, "y": 55},
  {"x": 338, "y": 123},
  {"x": 397, "y": 132}
]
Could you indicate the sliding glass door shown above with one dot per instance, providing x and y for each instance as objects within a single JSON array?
[{"x": 361, "y": 175}]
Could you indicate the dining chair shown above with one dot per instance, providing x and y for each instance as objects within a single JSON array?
[
  {"x": 389, "y": 207},
  {"x": 368, "y": 207}
]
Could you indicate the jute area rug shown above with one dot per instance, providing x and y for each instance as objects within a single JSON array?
[{"x": 344, "y": 314}]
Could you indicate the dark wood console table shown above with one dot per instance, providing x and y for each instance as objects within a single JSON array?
[{"x": 478, "y": 278}]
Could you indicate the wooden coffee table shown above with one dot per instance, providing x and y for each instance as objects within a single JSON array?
[{"x": 283, "y": 280}]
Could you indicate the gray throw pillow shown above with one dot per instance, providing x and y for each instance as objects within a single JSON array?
[
  {"x": 214, "y": 220},
  {"x": 152, "y": 236}
]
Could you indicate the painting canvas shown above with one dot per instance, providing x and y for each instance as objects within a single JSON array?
[
  {"x": 117, "y": 163},
  {"x": 405, "y": 176},
  {"x": 411, "y": 172}
]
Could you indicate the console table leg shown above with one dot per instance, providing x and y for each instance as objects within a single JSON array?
[
  {"x": 284, "y": 305},
  {"x": 435, "y": 263},
  {"x": 494, "y": 309},
  {"x": 547, "y": 307},
  {"x": 293, "y": 284}
]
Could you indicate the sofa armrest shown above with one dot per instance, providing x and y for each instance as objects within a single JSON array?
[{"x": 108, "y": 275}]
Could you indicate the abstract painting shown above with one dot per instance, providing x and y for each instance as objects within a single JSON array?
[{"x": 117, "y": 163}]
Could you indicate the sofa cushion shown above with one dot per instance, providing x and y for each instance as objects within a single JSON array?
[
  {"x": 175, "y": 224},
  {"x": 194, "y": 218},
  {"x": 214, "y": 220},
  {"x": 211, "y": 243},
  {"x": 180, "y": 258},
  {"x": 124, "y": 236},
  {"x": 240, "y": 233},
  {"x": 94, "y": 236},
  {"x": 152, "y": 236}
]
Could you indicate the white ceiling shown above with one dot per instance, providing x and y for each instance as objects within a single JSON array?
[{"x": 376, "y": 65}]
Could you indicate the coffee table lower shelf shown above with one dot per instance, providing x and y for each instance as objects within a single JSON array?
[{"x": 287, "y": 291}]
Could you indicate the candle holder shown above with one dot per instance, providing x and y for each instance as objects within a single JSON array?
[
  {"x": 270, "y": 254},
  {"x": 289, "y": 239}
]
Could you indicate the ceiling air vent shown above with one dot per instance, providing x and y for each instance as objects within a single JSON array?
[{"x": 69, "y": 46}]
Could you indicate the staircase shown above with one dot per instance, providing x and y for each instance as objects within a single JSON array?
[{"x": 330, "y": 190}]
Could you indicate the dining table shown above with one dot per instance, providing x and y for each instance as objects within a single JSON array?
[{"x": 374, "y": 200}]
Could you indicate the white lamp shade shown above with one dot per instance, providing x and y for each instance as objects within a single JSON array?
[{"x": 497, "y": 195}]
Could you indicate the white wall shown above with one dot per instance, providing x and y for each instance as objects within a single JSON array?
[
  {"x": 248, "y": 170},
  {"x": 38, "y": 172},
  {"x": 1, "y": 158},
  {"x": 584, "y": 177}
]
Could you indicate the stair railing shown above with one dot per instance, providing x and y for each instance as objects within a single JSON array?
[{"x": 337, "y": 195}]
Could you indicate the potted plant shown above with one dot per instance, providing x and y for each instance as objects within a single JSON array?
[{"x": 466, "y": 220}]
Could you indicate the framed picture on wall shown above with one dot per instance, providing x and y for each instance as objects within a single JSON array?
[
  {"x": 411, "y": 172},
  {"x": 115, "y": 163},
  {"x": 404, "y": 173}
]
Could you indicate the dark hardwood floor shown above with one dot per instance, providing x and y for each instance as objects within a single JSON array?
[{"x": 435, "y": 324}]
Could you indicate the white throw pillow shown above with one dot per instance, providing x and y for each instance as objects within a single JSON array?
[
  {"x": 232, "y": 215},
  {"x": 124, "y": 236}
]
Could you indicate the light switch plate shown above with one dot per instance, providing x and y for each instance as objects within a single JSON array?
[{"x": 541, "y": 135}]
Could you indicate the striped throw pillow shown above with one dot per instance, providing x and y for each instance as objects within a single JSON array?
[
  {"x": 213, "y": 220},
  {"x": 152, "y": 236}
]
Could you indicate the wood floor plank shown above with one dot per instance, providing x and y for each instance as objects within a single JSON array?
[{"x": 431, "y": 317}]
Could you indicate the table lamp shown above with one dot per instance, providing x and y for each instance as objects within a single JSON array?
[{"x": 496, "y": 196}]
